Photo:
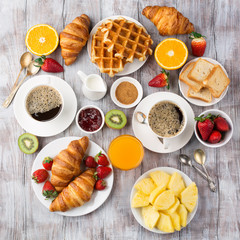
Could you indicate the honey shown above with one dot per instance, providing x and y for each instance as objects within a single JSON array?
[{"x": 126, "y": 152}]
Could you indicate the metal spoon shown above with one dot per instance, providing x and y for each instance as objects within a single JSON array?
[
  {"x": 200, "y": 158},
  {"x": 25, "y": 60},
  {"x": 31, "y": 70},
  {"x": 187, "y": 161}
]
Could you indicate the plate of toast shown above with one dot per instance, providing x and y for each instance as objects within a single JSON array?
[
  {"x": 71, "y": 179},
  {"x": 203, "y": 81},
  {"x": 119, "y": 45}
]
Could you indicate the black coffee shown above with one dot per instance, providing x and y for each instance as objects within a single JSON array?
[{"x": 44, "y": 103}]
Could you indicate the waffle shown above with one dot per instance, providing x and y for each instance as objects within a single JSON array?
[
  {"x": 128, "y": 39},
  {"x": 105, "y": 59}
]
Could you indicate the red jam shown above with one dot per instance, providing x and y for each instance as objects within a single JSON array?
[{"x": 90, "y": 119}]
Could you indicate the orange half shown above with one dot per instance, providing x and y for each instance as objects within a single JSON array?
[
  {"x": 171, "y": 53},
  {"x": 41, "y": 39}
]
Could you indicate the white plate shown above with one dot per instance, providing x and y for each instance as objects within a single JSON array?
[
  {"x": 135, "y": 83},
  {"x": 137, "y": 211},
  {"x": 149, "y": 139},
  {"x": 184, "y": 87},
  {"x": 51, "y": 150},
  {"x": 129, "y": 67},
  {"x": 55, "y": 126}
]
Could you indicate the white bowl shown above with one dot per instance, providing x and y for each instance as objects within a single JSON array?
[
  {"x": 85, "y": 107},
  {"x": 227, "y": 135},
  {"x": 137, "y": 211},
  {"x": 130, "y": 80}
]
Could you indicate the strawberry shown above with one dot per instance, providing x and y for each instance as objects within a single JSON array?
[
  {"x": 102, "y": 172},
  {"x": 40, "y": 175},
  {"x": 215, "y": 137},
  {"x": 198, "y": 44},
  {"x": 100, "y": 184},
  {"x": 160, "y": 80},
  {"x": 49, "y": 191},
  {"x": 48, "y": 64},
  {"x": 221, "y": 124},
  {"x": 90, "y": 162},
  {"x": 101, "y": 159},
  {"x": 205, "y": 126},
  {"x": 47, "y": 163}
]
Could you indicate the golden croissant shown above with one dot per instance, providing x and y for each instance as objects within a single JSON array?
[
  {"x": 74, "y": 37},
  {"x": 76, "y": 193},
  {"x": 66, "y": 165},
  {"x": 168, "y": 20}
]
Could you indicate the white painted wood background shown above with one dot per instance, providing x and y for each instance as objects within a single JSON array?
[{"x": 21, "y": 214}]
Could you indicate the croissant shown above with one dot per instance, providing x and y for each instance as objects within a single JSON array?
[
  {"x": 74, "y": 37},
  {"x": 76, "y": 193},
  {"x": 66, "y": 165},
  {"x": 168, "y": 20}
]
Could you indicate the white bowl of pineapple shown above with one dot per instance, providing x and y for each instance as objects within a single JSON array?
[{"x": 164, "y": 200}]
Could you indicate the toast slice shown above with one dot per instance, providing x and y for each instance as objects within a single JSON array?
[
  {"x": 217, "y": 81},
  {"x": 184, "y": 78},
  {"x": 200, "y": 70},
  {"x": 204, "y": 94}
]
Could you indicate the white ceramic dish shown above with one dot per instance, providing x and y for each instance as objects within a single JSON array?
[
  {"x": 227, "y": 135},
  {"x": 55, "y": 126},
  {"x": 51, "y": 150},
  {"x": 184, "y": 87},
  {"x": 135, "y": 83},
  {"x": 129, "y": 67},
  {"x": 150, "y": 140},
  {"x": 137, "y": 211},
  {"x": 85, "y": 107}
]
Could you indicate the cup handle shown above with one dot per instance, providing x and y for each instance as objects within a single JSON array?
[{"x": 165, "y": 143}]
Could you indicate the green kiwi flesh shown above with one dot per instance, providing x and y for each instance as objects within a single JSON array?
[
  {"x": 115, "y": 119},
  {"x": 28, "y": 143}
]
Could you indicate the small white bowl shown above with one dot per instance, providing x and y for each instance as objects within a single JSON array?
[
  {"x": 85, "y": 107},
  {"x": 137, "y": 211},
  {"x": 130, "y": 80},
  {"x": 227, "y": 135}
]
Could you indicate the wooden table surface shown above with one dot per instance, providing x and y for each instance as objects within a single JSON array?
[{"x": 24, "y": 217}]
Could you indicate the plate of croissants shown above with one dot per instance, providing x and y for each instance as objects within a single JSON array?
[{"x": 74, "y": 183}]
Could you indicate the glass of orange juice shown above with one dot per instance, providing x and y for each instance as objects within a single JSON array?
[{"x": 126, "y": 152}]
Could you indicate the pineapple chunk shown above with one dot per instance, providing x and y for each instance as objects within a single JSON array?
[
  {"x": 173, "y": 208},
  {"x": 155, "y": 193},
  {"x": 176, "y": 221},
  {"x": 182, "y": 212},
  {"x": 140, "y": 200},
  {"x": 165, "y": 200},
  {"x": 189, "y": 197},
  {"x": 160, "y": 178},
  {"x": 150, "y": 216},
  {"x": 176, "y": 184},
  {"x": 146, "y": 186},
  {"x": 165, "y": 224}
]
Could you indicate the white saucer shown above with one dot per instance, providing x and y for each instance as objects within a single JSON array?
[
  {"x": 55, "y": 126},
  {"x": 135, "y": 83},
  {"x": 184, "y": 87},
  {"x": 51, "y": 150},
  {"x": 137, "y": 211},
  {"x": 129, "y": 67},
  {"x": 149, "y": 139}
]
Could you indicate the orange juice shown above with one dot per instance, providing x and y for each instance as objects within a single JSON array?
[{"x": 126, "y": 152}]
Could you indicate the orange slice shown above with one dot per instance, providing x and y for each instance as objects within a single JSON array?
[
  {"x": 171, "y": 53},
  {"x": 41, "y": 39}
]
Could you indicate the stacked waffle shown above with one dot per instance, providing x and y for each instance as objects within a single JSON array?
[{"x": 117, "y": 42}]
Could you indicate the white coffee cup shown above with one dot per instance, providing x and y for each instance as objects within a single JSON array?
[
  {"x": 166, "y": 140},
  {"x": 60, "y": 110}
]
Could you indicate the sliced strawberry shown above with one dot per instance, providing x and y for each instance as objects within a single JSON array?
[
  {"x": 198, "y": 44},
  {"x": 221, "y": 124},
  {"x": 215, "y": 137},
  {"x": 160, "y": 80}
]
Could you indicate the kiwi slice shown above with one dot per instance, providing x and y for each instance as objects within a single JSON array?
[
  {"x": 28, "y": 143},
  {"x": 115, "y": 119}
]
